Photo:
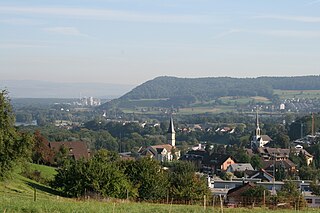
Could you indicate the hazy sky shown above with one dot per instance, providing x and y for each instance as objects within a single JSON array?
[{"x": 131, "y": 41}]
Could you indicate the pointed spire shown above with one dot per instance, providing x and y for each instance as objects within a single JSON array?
[
  {"x": 258, "y": 131},
  {"x": 257, "y": 119},
  {"x": 171, "y": 135},
  {"x": 171, "y": 127}
]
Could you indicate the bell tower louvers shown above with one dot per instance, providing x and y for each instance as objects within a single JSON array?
[{"x": 171, "y": 134}]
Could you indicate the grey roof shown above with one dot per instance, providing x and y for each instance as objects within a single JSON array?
[
  {"x": 266, "y": 138},
  {"x": 241, "y": 167},
  {"x": 274, "y": 151},
  {"x": 171, "y": 127},
  {"x": 287, "y": 164}
]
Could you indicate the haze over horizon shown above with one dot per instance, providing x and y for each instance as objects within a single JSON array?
[{"x": 131, "y": 41}]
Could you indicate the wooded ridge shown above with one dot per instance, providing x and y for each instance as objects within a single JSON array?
[{"x": 204, "y": 89}]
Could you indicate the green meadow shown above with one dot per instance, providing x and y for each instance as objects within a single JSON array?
[
  {"x": 20, "y": 194},
  {"x": 288, "y": 94}
]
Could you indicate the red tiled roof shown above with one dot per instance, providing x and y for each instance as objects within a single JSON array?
[
  {"x": 237, "y": 192},
  {"x": 77, "y": 149}
]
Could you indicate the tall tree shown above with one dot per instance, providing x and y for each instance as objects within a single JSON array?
[
  {"x": 41, "y": 152},
  {"x": 100, "y": 176},
  {"x": 148, "y": 176},
  {"x": 256, "y": 162},
  {"x": 186, "y": 185},
  {"x": 14, "y": 146},
  {"x": 291, "y": 194}
]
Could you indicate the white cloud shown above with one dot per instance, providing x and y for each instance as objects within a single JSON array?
[
  {"x": 308, "y": 19},
  {"x": 64, "y": 31},
  {"x": 104, "y": 14}
]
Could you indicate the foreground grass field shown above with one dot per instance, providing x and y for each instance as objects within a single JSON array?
[
  {"x": 18, "y": 195},
  {"x": 24, "y": 204}
]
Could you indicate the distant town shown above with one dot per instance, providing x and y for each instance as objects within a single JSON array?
[{"x": 238, "y": 151}]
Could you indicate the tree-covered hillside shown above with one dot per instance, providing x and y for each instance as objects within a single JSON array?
[
  {"x": 173, "y": 91},
  {"x": 201, "y": 88},
  {"x": 292, "y": 83}
]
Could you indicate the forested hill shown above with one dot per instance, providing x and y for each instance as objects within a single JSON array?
[
  {"x": 191, "y": 89},
  {"x": 201, "y": 88},
  {"x": 292, "y": 83}
]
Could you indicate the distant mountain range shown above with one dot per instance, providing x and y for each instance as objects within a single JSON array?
[
  {"x": 173, "y": 91},
  {"x": 46, "y": 89}
]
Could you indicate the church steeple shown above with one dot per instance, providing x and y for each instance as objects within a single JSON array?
[
  {"x": 171, "y": 133},
  {"x": 258, "y": 131},
  {"x": 259, "y": 140}
]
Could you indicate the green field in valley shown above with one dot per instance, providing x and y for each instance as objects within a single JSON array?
[
  {"x": 288, "y": 94},
  {"x": 200, "y": 110},
  {"x": 224, "y": 104},
  {"x": 230, "y": 100}
]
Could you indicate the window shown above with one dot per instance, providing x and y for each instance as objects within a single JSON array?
[
  {"x": 309, "y": 200},
  {"x": 317, "y": 201}
]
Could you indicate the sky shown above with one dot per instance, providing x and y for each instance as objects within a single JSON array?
[{"x": 132, "y": 41}]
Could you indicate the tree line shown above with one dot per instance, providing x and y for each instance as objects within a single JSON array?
[{"x": 106, "y": 175}]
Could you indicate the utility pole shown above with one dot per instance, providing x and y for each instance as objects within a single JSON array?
[{"x": 274, "y": 175}]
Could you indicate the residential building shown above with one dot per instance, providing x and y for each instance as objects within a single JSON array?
[
  {"x": 197, "y": 157},
  {"x": 277, "y": 154},
  {"x": 236, "y": 196},
  {"x": 262, "y": 175},
  {"x": 307, "y": 155},
  {"x": 285, "y": 166},
  {"x": 75, "y": 149},
  {"x": 239, "y": 167},
  {"x": 231, "y": 190}
]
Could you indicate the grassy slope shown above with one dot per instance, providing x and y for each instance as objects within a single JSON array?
[
  {"x": 16, "y": 195},
  {"x": 18, "y": 185},
  {"x": 46, "y": 171}
]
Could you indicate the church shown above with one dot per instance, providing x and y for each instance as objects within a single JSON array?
[
  {"x": 164, "y": 152},
  {"x": 259, "y": 140}
]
